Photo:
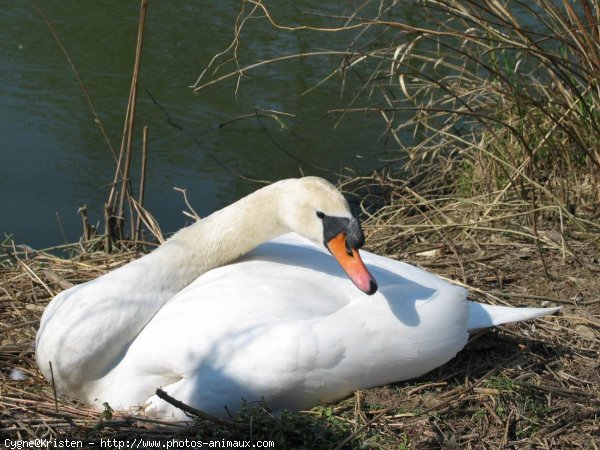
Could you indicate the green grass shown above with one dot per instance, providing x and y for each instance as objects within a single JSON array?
[
  {"x": 513, "y": 396},
  {"x": 321, "y": 428}
]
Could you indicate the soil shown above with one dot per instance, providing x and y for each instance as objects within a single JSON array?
[{"x": 527, "y": 385}]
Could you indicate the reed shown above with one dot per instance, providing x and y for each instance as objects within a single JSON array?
[
  {"x": 506, "y": 94},
  {"x": 500, "y": 99}
]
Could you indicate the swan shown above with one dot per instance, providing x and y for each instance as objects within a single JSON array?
[{"x": 250, "y": 303}]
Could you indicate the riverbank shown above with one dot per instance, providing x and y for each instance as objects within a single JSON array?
[{"x": 533, "y": 383}]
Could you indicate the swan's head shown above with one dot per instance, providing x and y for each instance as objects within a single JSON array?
[{"x": 315, "y": 209}]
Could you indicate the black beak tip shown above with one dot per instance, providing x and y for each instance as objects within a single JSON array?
[{"x": 372, "y": 287}]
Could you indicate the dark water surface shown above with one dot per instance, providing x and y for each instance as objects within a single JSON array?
[{"x": 54, "y": 158}]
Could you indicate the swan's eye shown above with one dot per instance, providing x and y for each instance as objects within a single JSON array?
[{"x": 320, "y": 215}]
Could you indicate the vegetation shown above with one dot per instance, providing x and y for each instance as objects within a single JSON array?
[{"x": 493, "y": 107}]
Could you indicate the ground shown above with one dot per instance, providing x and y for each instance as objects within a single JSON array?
[{"x": 528, "y": 385}]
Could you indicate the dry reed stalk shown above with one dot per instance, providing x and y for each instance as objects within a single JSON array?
[
  {"x": 138, "y": 228},
  {"x": 121, "y": 192},
  {"x": 124, "y": 161}
]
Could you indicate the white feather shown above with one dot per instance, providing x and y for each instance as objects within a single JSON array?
[{"x": 18, "y": 375}]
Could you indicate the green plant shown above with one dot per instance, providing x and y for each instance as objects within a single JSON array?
[
  {"x": 404, "y": 442},
  {"x": 500, "y": 383}
]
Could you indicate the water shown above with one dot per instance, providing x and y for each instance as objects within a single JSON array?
[{"x": 54, "y": 158}]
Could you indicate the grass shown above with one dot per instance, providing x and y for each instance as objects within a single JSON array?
[{"x": 493, "y": 108}]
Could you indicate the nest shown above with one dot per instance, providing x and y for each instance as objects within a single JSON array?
[{"x": 528, "y": 384}]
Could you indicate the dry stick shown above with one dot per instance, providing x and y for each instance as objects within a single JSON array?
[
  {"x": 196, "y": 141},
  {"x": 534, "y": 221},
  {"x": 81, "y": 85},
  {"x": 54, "y": 277},
  {"x": 361, "y": 429},
  {"x": 534, "y": 297},
  {"x": 33, "y": 276},
  {"x": 108, "y": 229},
  {"x": 130, "y": 119},
  {"x": 21, "y": 424},
  {"x": 62, "y": 229},
  {"x": 53, "y": 387},
  {"x": 20, "y": 325},
  {"x": 87, "y": 228},
  {"x": 193, "y": 215},
  {"x": 563, "y": 424},
  {"x": 111, "y": 202},
  {"x": 198, "y": 413},
  {"x": 138, "y": 227},
  {"x": 148, "y": 220},
  {"x": 582, "y": 396},
  {"x": 239, "y": 24},
  {"x": 241, "y": 71}
]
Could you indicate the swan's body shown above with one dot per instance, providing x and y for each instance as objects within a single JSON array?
[{"x": 283, "y": 323}]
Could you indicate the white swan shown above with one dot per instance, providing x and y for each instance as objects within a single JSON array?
[{"x": 281, "y": 323}]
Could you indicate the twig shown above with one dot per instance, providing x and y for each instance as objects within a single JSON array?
[
  {"x": 534, "y": 297},
  {"x": 35, "y": 277},
  {"x": 20, "y": 325},
  {"x": 196, "y": 141},
  {"x": 148, "y": 220},
  {"x": 54, "y": 277},
  {"x": 581, "y": 396},
  {"x": 53, "y": 387},
  {"x": 193, "y": 215},
  {"x": 81, "y": 85},
  {"x": 198, "y": 413},
  {"x": 197, "y": 87},
  {"x": 88, "y": 230},
  {"x": 130, "y": 120},
  {"x": 138, "y": 227},
  {"x": 361, "y": 429}
]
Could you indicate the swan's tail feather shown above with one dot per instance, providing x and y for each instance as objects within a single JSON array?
[{"x": 485, "y": 316}]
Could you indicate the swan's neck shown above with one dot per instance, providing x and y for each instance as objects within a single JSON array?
[
  {"x": 86, "y": 329},
  {"x": 220, "y": 238}
]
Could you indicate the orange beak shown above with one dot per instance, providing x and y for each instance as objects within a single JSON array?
[{"x": 352, "y": 264}]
